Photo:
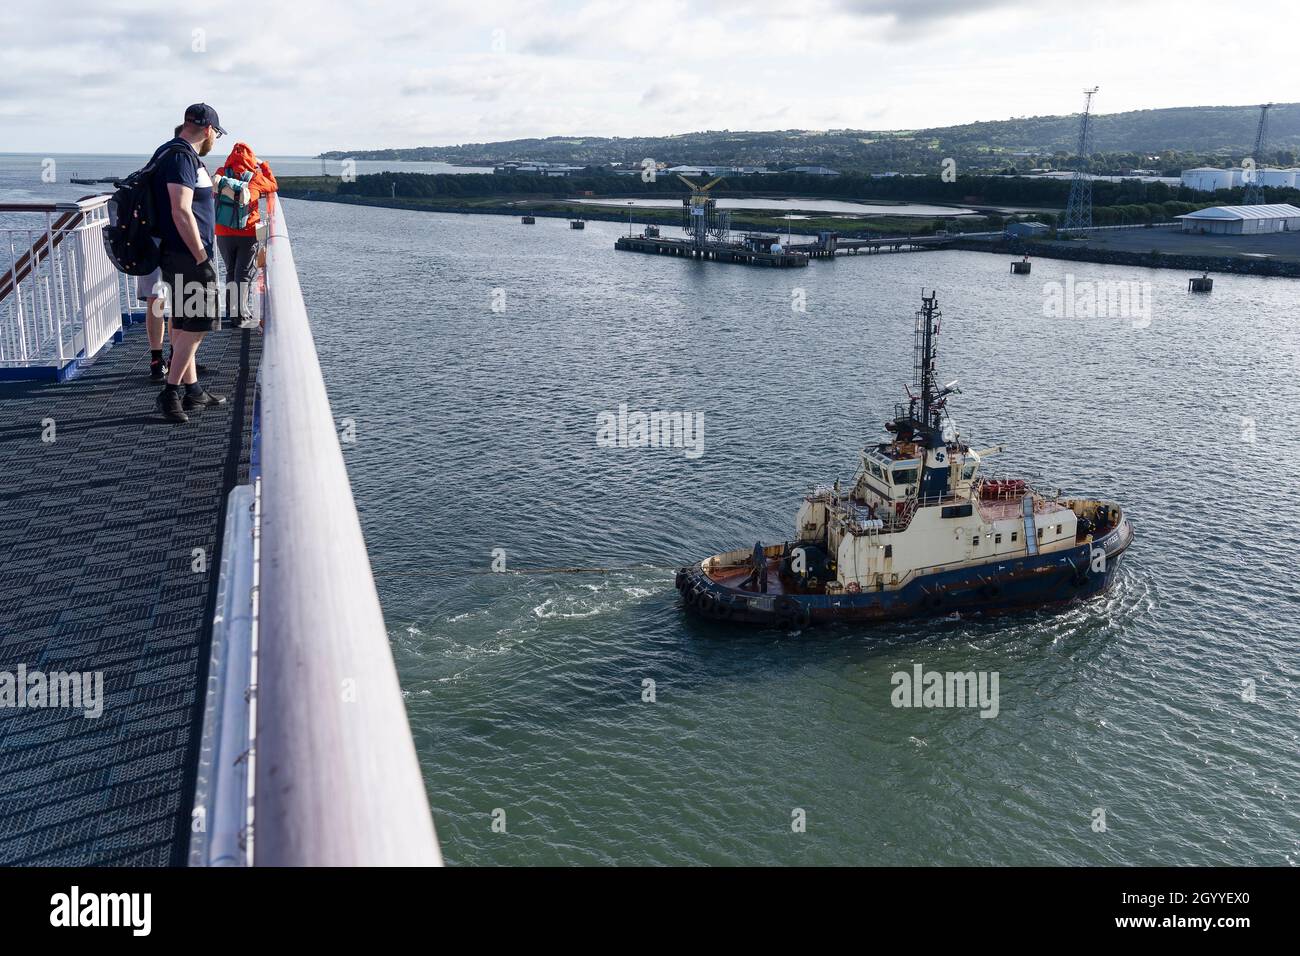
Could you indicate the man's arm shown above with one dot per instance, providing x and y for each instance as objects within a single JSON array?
[{"x": 182, "y": 198}]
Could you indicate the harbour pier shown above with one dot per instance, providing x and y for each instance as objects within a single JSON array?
[
  {"x": 712, "y": 251},
  {"x": 757, "y": 250},
  {"x": 832, "y": 244}
]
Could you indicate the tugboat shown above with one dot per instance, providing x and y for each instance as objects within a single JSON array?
[{"x": 922, "y": 532}]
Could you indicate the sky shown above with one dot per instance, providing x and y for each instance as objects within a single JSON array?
[{"x": 114, "y": 76}]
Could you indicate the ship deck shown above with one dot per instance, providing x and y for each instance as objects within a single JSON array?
[
  {"x": 1004, "y": 509},
  {"x": 732, "y": 577},
  {"x": 97, "y": 553}
]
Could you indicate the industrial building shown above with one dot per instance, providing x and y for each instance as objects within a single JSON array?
[
  {"x": 1027, "y": 230},
  {"x": 1207, "y": 179},
  {"x": 1278, "y": 177},
  {"x": 715, "y": 171},
  {"x": 1243, "y": 220},
  {"x": 539, "y": 169},
  {"x": 815, "y": 171}
]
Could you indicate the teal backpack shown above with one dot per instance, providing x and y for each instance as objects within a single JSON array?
[{"x": 234, "y": 200}]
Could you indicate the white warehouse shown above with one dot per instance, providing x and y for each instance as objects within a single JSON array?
[{"x": 1243, "y": 220}]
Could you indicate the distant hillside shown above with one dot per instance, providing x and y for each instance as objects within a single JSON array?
[{"x": 1209, "y": 132}]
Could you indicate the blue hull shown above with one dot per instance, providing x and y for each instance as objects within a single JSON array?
[{"x": 995, "y": 587}]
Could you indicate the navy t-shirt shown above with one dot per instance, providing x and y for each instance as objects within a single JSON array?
[{"x": 184, "y": 167}]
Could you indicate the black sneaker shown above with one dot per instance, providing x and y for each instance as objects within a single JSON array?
[
  {"x": 169, "y": 403},
  {"x": 157, "y": 371},
  {"x": 201, "y": 398}
]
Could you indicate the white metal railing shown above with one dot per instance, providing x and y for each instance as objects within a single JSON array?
[
  {"x": 314, "y": 725},
  {"x": 223, "y": 830},
  {"x": 61, "y": 298}
]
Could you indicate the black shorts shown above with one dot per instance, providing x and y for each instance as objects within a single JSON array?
[{"x": 193, "y": 299}]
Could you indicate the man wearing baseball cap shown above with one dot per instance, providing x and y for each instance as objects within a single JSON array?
[{"x": 187, "y": 217}]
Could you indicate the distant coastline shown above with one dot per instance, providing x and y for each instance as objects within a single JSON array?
[
  {"x": 1169, "y": 137},
  {"x": 1153, "y": 257}
]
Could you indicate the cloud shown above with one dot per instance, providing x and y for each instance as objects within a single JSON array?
[
  {"x": 480, "y": 82},
  {"x": 923, "y": 11},
  {"x": 435, "y": 72}
]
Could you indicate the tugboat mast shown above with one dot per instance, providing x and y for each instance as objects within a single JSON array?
[{"x": 927, "y": 334}]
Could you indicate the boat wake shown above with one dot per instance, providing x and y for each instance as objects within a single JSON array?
[
  {"x": 452, "y": 645},
  {"x": 591, "y": 600}
]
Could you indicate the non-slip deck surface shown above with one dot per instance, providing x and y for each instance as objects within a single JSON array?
[{"x": 101, "y": 532}]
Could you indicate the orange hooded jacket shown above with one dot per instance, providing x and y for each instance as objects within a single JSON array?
[{"x": 242, "y": 159}]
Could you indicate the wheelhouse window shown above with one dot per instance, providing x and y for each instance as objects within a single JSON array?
[{"x": 904, "y": 476}]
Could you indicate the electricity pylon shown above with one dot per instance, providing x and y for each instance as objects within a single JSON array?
[
  {"x": 1078, "y": 211},
  {"x": 1254, "y": 194}
]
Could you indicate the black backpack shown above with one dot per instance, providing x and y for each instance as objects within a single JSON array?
[{"x": 132, "y": 220}]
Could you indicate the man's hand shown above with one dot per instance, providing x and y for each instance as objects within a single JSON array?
[
  {"x": 206, "y": 273},
  {"x": 182, "y": 199}
]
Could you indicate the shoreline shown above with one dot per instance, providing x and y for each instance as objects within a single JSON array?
[
  {"x": 1052, "y": 249},
  {"x": 1044, "y": 249},
  {"x": 645, "y": 215}
]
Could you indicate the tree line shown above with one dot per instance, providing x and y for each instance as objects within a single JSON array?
[{"x": 1126, "y": 198}]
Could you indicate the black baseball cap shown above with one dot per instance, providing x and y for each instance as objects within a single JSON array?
[{"x": 201, "y": 114}]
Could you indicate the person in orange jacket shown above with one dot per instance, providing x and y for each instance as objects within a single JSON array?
[{"x": 239, "y": 247}]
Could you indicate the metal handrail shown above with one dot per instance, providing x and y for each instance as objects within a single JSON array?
[
  {"x": 60, "y": 295},
  {"x": 48, "y": 241},
  {"x": 84, "y": 204},
  {"x": 337, "y": 781}
]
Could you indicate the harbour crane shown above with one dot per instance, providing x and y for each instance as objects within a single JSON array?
[{"x": 703, "y": 222}]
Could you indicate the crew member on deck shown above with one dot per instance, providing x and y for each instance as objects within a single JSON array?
[{"x": 757, "y": 580}]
